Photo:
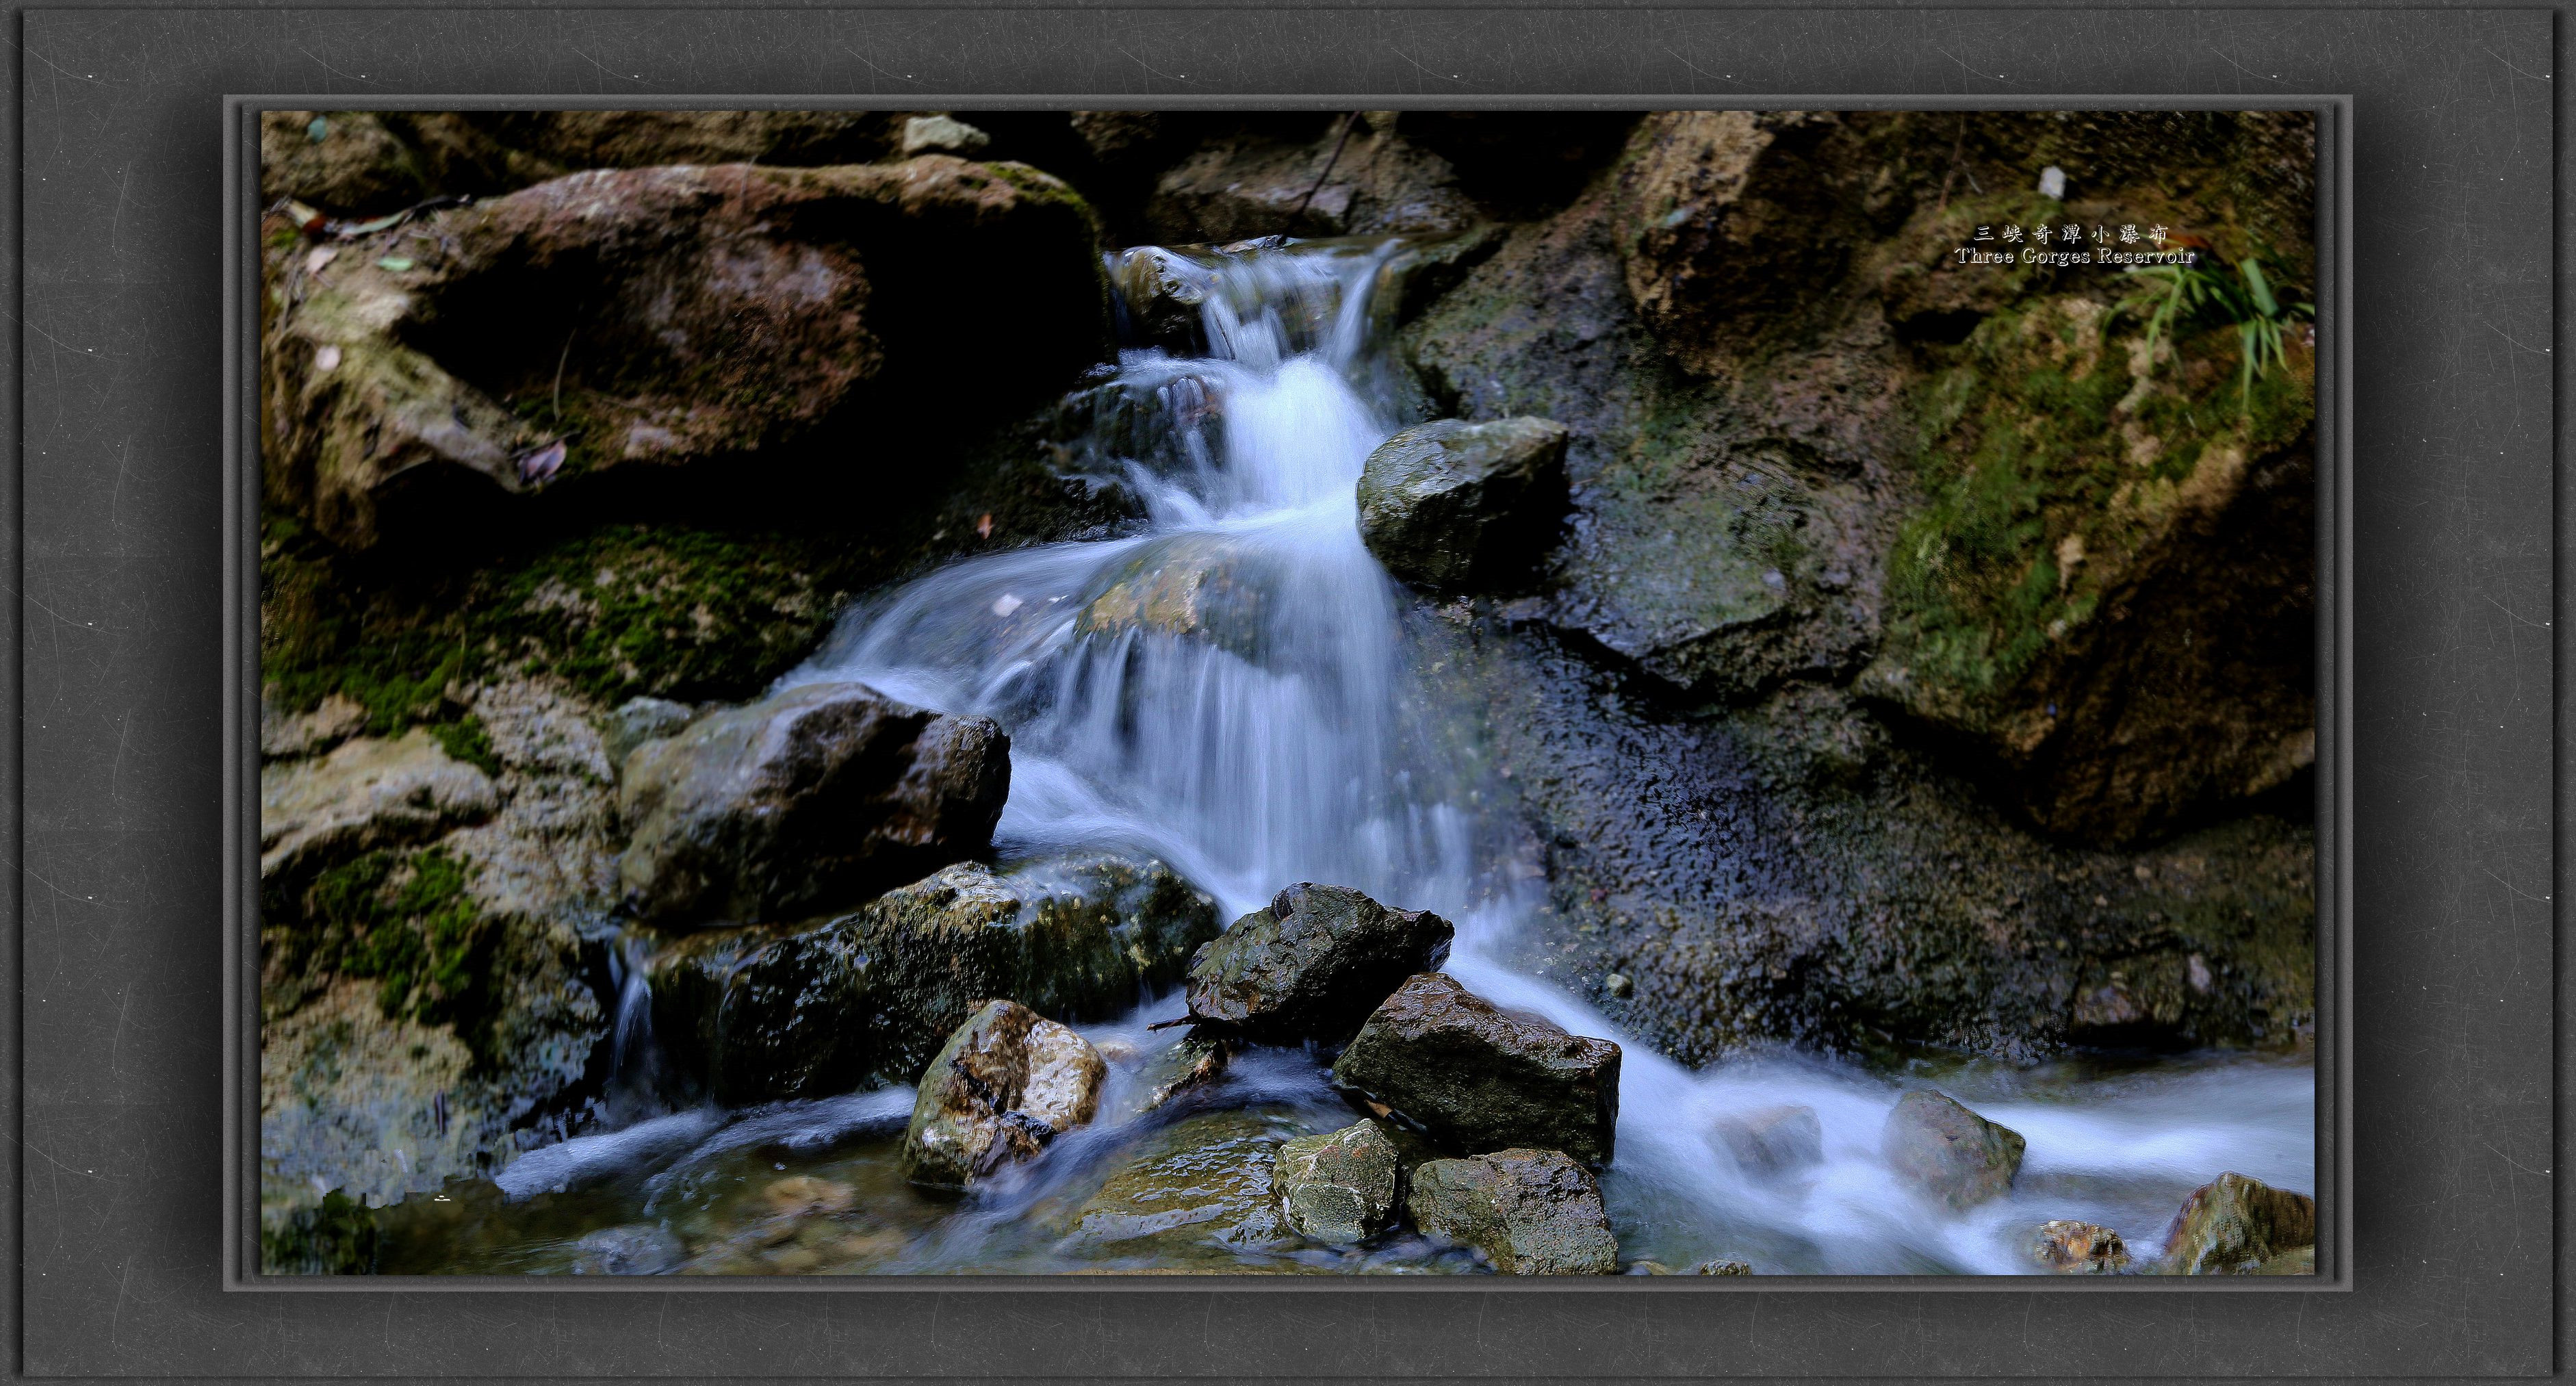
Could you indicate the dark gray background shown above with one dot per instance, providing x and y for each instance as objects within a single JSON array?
[{"x": 117, "y": 512}]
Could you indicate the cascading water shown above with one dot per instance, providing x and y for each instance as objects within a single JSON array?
[{"x": 1239, "y": 690}]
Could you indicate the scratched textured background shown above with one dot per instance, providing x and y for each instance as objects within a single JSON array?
[{"x": 114, "y": 514}]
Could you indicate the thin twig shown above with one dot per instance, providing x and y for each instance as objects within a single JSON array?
[
  {"x": 1953, "y": 170},
  {"x": 1349, "y": 119},
  {"x": 557, "y": 407}
]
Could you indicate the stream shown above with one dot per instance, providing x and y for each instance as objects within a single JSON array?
[{"x": 1258, "y": 703}]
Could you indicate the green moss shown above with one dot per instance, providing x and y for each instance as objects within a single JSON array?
[
  {"x": 338, "y": 1238},
  {"x": 407, "y": 921}
]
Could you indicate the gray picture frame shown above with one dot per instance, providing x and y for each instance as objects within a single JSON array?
[{"x": 109, "y": 921}]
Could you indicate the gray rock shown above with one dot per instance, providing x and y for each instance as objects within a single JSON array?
[
  {"x": 1477, "y": 1077},
  {"x": 1311, "y": 964},
  {"x": 640, "y": 1248},
  {"x": 638, "y": 720},
  {"x": 1338, "y": 1187},
  {"x": 1723, "y": 1268},
  {"x": 940, "y": 133},
  {"x": 2234, "y": 1226},
  {"x": 284, "y": 735},
  {"x": 368, "y": 793},
  {"x": 1774, "y": 1140},
  {"x": 824, "y": 791},
  {"x": 1453, "y": 505},
  {"x": 765, "y": 1013},
  {"x": 1948, "y": 1152},
  {"x": 1008, "y": 1082},
  {"x": 2078, "y": 1248},
  {"x": 1532, "y": 1212}
]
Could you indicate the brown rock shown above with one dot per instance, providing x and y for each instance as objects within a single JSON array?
[
  {"x": 1948, "y": 1152},
  {"x": 827, "y": 790},
  {"x": 2234, "y": 1225},
  {"x": 1007, "y": 1083},
  {"x": 1532, "y": 1212},
  {"x": 368, "y": 793},
  {"x": 1477, "y": 1077},
  {"x": 2078, "y": 1248}
]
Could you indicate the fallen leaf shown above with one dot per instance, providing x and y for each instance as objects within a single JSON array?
[
  {"x": 305, "y": 218},
  {"x": 317, "y": 130},
  {"x": 542, "y": 464},
  {"x": 328, "y": 358},
  {"x": 984, "y": 527},
  {"x": 395, "y": 263},
  {"x": 369, "y": 228},
  {"x": 314, "y": 262}
]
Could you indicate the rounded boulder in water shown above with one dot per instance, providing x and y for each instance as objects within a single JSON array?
[
  {"x": 1454, "y": 505},
  {"x": 1008, "y": 1082},
  {"x": 2234, "y": 1225},
  {"x": 1947, "y": 1152},
  {"x": 1311, "y": 965},
  {"x": 1340, "y": 1186}
]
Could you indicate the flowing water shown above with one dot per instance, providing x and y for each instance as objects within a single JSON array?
[{"x": 1242, "y": 691}]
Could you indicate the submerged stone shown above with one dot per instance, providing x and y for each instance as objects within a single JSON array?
[
  {"x": 1532, "y": 1212},
  {"x": 1311, "y": 964},
  {"x": 1454, "y": 505},
  {"x": 641, "y": 1248},
  {"x": 1006, "y": 1084},
  {"x": 2235, "y": 1226},
  {"x": 827, "y": 790},
  {"x": 1194, "y": 1196},
  {"x": 1477, "y": 1077},
  {"x": 1340, "y": 1186},
  {"x": 1948, "y": 1152},
  {"x": 1774, "y": 1140}
]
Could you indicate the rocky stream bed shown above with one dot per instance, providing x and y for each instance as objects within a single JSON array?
[{"x": 954, "y": 692}]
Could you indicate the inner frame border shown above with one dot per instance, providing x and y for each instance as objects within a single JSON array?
[{"x": 2334, "y": 702}]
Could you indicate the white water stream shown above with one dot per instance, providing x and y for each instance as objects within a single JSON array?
[{"x": 1250, "y": 707}]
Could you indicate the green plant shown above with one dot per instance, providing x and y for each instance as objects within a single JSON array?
[{"x": 2205, "y": 292}]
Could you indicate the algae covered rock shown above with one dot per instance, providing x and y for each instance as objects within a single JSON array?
[
  {"x": 1340, "y": 1186},
  {"x": 764, "y": 1012},
  {"x": 827, "y": 790},
  {"x": 2078, "y": 1248},
  {"x": 1947, "y": 1152},
  {"x": 369, "y": 792},
  {"x": 1477, "y": 1077},
  {"x": 1311, "y": 964},
  {"x": 1454, "y": 505},
  {"x": 1008, "y": 1082},
  {"x": 1195, "y": 1195},
  {"x": 1203, "y": 587},
  {"x": 2234, "y": 1226},
  {"x": 1532, "y": 1212}
]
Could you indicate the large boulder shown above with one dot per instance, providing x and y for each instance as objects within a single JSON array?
[
  {"x": 1311, "y": 964},
  {"x": 1453, "y": 505},
  {"x": 1532, "y": 1212},
  {"x": 1478, "y": 1077},
  {"x": 1948, "y": 1153},
  {"x": 1339, "y": 1186},
  {"x": 2236, "y": 1226},
  {"x": 701, "y": 325},
  {"x": 829, "y": 790},
  {"x": 762, "y": 1013},
  {"x": 369, "y": 792},
  {"x": 1008, "y": 1082}
]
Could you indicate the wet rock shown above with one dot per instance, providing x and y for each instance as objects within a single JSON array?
[
  {"x": 1727, "y": 226},
  {"x": 1477, "y": 1077},
  {"x": 1454, "y": 505},
  {"x": 368, "y": 793},
  {"x": 1774, "y": 1140},
  {"x": 942, "y": 134},
  {"x": 1532, "y": 1212},
  {"x": 1264, "y": 179},
  {"x": 704, "y": 325},
  {"x": 1723, "y": 1268},
  {"x": 640, "y": 1248},
  {"x": 1194, "y": 1196},
  {"x": 826, "y": 791},
  {"x": 1203, "y": 587},
  {"x": 1185, "y": 1065},
  {"x": 2234, "y": 1226},
  {"x": 370, "y": 163},
  {"x": 2079, "y": 1248},
  {"x": 1007, "y": 1083},
  {"x": 1311, "y": 964},
  {"x": 1947, "y": 1152},
  {"x": 638, "y": 720},
  {"x": 1338, "y": 1187},
  {"x": 1163, "y": 293},
  {"x": 765, "y": 1013},
  {"x": 284, "y": 735}
]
